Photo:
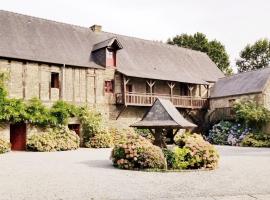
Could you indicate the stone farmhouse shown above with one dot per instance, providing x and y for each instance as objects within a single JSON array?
[
  {"x": 121, "y": 76},
  {"x": 252, "y": 85}
]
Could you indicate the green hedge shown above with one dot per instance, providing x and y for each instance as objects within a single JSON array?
[{"x": 256, "y": 140}]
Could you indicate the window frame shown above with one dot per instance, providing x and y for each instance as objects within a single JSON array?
[
  {"x": 55, "y": 80},
  {"x": 109, "y": 86}
]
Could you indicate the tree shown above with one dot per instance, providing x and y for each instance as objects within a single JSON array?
[
  {"x": 214, "y": 49},
  {"x": 254, "y": 56}
]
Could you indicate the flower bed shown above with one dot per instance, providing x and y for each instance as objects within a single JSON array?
[{"x": 191, "y": 152}]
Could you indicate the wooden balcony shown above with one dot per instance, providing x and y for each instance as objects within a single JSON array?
[
  {"x": 225, "y": 113},
  {"x": 143, "y": 99}
]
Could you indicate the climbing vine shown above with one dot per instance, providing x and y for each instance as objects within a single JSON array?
[{"x": 33, "y": 111}]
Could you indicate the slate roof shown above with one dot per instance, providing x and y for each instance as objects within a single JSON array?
[
  {"x": 31, "y": 38},
  {"x": 163, "y": 114},
  {"x": 242, "y": 83},
  {"x": 107, "y": 43}
]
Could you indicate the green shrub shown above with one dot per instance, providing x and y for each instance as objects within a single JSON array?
[
  {"x": 13, "y": 111},
  {"x": 61, "y": 111},
  {"x": 256, "y": 140},
  {"x": 92, "y": 124},
  {"x": 177, "y": 158},
  {"x": 57, "y": 139},
  {"x": 37, "y": 113},
  {"x": 169, "y": 156},
  {"x": 181, "y": 158},
  {"x": 251, "y": 114},
  {"x": 198, "y": 152},
  {"x": 4, "y": 146},
  {"x": 138, "y": 153},
  {"x": 102, "y": 139}
]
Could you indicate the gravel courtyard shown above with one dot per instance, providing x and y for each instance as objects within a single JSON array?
[{"x": 86, "y": 174}]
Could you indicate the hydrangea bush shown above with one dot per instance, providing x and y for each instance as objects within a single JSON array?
[
  {"x": 101, "y": 139},
  {"x": 228, "y": 133},
  {"x": 197, "y": 152},
  {"x": 57, "y": 139},
  {"x": 137, "y": 153},
  {"x": 4, "y": 146}
]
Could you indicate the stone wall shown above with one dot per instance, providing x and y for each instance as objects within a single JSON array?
[
  {"x": 225, "y": 101},
  {"x": 78, "y": 85},
  {"x": 266, "y": 95}
]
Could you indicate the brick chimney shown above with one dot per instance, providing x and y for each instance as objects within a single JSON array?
[{"x": 96, "y": 28}]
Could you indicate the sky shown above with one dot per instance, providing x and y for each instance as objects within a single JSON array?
[{"x": 235, "y": 23}]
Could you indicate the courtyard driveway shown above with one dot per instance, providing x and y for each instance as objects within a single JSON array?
[{"x": 86, "y": 174}]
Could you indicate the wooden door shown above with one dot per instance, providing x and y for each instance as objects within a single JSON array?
[
  {"x": 75, "y": 127},
  {"x": 18, "y": 136}
]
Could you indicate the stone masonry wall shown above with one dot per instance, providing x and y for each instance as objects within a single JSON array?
[{"x": 224, "y": 101}]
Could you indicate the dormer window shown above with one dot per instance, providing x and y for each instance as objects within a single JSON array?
[
  {"x": 104, "y": 53},
  {"x": 111, "y": 58}
]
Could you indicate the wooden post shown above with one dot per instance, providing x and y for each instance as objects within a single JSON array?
[
  {"x": 207, "y": 88},
  {"x": 158, "y": 138},
  {"x": 171, "y": 86},
  {"x": 62, "y": 91},
  {"x": 151, "y": 84},
  {"x": 190, "y": 88},
  {"x": 125, "y": 82}
]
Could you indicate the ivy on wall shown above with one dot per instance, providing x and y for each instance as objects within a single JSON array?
[{"x": 33, "y": 111}]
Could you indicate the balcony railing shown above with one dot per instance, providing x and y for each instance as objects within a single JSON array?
[
  {"x": 225, "y": 113},
  {"x": 143, "y": 99}
]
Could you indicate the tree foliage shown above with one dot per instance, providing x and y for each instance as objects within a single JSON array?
[
  {"x": 214, "y": 49},
  {"x": 254, "y": 56}
]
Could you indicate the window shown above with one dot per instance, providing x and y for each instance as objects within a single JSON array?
[
  {"x": 55, "y": 80},
  {"x": 231, "y": 102},
  {"x": 108, "y": 86},
  {"x": 110, "y": 54},
  {"x": 111, "y": 58}
]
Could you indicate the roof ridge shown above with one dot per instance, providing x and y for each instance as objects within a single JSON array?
[
  {"x": 45, "y": 19},
  {"x": 156, "y": 42},
  {"x": 241, "y": 73}
]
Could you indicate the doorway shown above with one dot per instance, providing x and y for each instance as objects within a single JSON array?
[
  {"x": 75, "y": 127},
  {"x": 18, "y": 136}
]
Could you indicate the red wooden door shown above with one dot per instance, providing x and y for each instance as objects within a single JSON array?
[
  {"x": 18, "y": 136},
  {"x": 75, "y": 127}
]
